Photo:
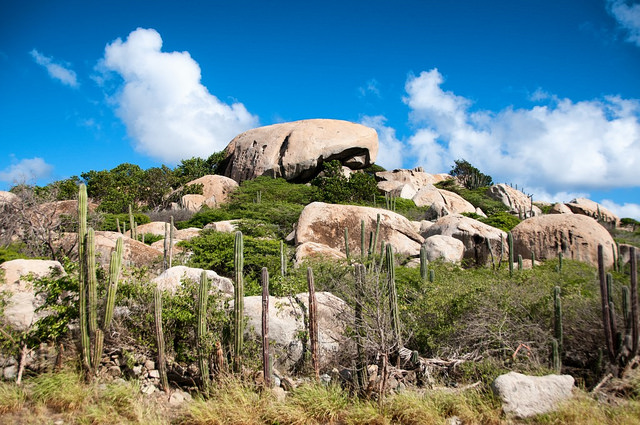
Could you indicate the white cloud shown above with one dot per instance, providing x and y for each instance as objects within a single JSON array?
[
  {"x": 625, "y": 210},
  {"x": 389, "y": 147},
  {"x": 372, "y": 87},
  {"x": 26, "y": 171},
  {"x": 564, "y": 145},
  {"x": 168, "y": 113},
  {"x": 628, "y": 16},
  {"x": 56, "y": 71}
]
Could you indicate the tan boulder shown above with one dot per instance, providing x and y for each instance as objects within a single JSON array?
[
  {"x": 442, "y": 202},
  {"x": 560, "y": 208},
  {"x": 625, "y": 253},
  {"x": 593, "y": 209},
  {"x": 216, "y": 189},
  {"x": 172, "y": 279},
  {"x": 8, "y": 198},
  {"x": 576, "y": 236},
  {"x": 296, "y": 150},
  {"x": 186, "y": 234},
  {"x": 227, "y": 226},
  {"x": 316, "y": 250},
  {"x": 325, "y": 223},
  {"x": 22, "y": 300},
  {"x": 416, "y": 177},
  {"x": 134, "y": 253},
  {"x": 476, "y": 236},
  {"x": 517, "y": 201},
  {"x": 155, "y": 228},
  {"x": 193, "y": 202}
]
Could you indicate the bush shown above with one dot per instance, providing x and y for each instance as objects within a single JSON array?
[
  {"x": 335, "y": 188},
  {"x": 108, "y": 221},
  {"x": 501, "y": 220}
]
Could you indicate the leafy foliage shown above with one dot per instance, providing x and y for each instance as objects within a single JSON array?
[
  {"x": 469, "y": 176},
  {"x": 334, "y": 187},
  {"x": 501, "y": 220}
]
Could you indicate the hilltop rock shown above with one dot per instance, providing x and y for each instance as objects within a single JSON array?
[
  {"x": 524, "y": 396},
  {"x": 192, "y": 202},
  {"x": 22, "y": 299},
  {"x": 560, "y": 208},
  {"x": 517, "y": 201},
  {"x": 296, "y": 150},
  {"x": 215, "y": 189},
  {"x": 446, "y": 248},
  {"x": 171, "y": 279},
  {"x": 325, "y": 223},
  {"x": 576, "y": 236},
  {"x": 416, "y": 177},
  {"x": 593, "y": 209},
  {"x": 442, "y": 202},
  {"x": 473, "y": 234},
  {"x": 287, "y": 326}
]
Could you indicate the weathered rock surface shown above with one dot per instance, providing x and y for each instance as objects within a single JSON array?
[
  {"x": 517, "y": 201},
  {"x": 473, "y": 234},
  {"x": 442, "y": 202},
  {"x": 325, "y": 223},
  {"x": 133, "y": 252},
  {"x": 296, "y": 150},
  {"x": 192, "y": 202},
  {"x": 287, "y": 326},
  {"x": 223, "y": 226},
  {"x": 215, "y": 189},
  {"x": 22, "y": 301},
  {"x": 446, "y": 248},
  {"x": 416, "y": 177},
  {"x": 625, "y": 253},
  {"x": 171, "y": 279},
  {"x": 576, "y": 236},
  {"x": 593, "y": 209},
  {"x": 308, "y": 250},
  {"x": 524, "y": 396},
  {"x": 8, "y": 197},
  {"x": 560, "y": 208},
  {"x": 154, "y": 228}
]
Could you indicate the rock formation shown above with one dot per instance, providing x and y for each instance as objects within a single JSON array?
[{"x": 296, "y": 150}]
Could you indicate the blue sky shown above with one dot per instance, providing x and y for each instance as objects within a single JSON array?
[{"x": 543, "y": 94}]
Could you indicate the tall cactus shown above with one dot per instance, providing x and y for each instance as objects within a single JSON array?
[
  {"x": 635, "y": 336},
  {"x": 114, "y": 277},
  {"x": 393, "y": 296},
  {"x": 557, "y": 318},
  {"x": 604, "y": 297},
  {"x": 238, "y": 306},
  {"x": 165, "y": 258},
  {"x": 132, "y": 224},
  {"x": 424, "y": 271},
  {"x": 361, "y": 361},
  {"x": 171, "y": 228},
  {"x": 85, "y": 343},
  {"x": 520, "y": 264},
  {"x": 346, "y": 242},
  {"x": 510, "y": 243},
  {"x": 560, "y": 256},
  {"x": 162, "y": 363},
  {"x": 283, "y": 260},
  {"x": 266, "y": 358},
  {"x": 362, "y": 240},
  {"x": 203, "y": 357},
  {"x": 313, "y": 324}
]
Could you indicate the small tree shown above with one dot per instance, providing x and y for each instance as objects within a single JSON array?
[{"x": 469, "y": 176}]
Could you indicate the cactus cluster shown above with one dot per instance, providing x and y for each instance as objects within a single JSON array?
[
  {"x": 266, "y": 358},
  {"x": 313, "y": 324},
  {"x": 238, "y": 300},
  {"x": 91, "y": 335}
]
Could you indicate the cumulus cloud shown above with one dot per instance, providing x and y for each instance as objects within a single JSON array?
[
  {"x": 26, "y": 171},
  {"x": 625, "y": 210},
  {"x": 628, "y": 16},
  {"x": 389, "y": 147},
  {"x": 168, "y": 113},
  {"x": 562, "y": 145},
  {"x": 56, "y": 70},
  {"x": 372, "y": 87}
]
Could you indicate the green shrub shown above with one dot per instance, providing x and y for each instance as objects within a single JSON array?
[
  {"x": 108, "y": 221},
  {"x": 501, "y": 220}
]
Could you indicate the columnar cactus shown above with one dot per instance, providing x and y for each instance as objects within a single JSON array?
[
  {"x": 132, "y": 224},
  {"x": 201, "y": 330},
  {"x": 162, "y": 366},
  {"x": 85, "y": 343},
  {"x": 171, "y": 227},
  {"x": 560, "y": 262},
  {"x": 346, "y": 242},
  {"x": 283, "y": 260},
  {"x": 635, "y": 335},
  {"x": 424, "y": 271},
  {"x": 520, "y": 265},
  {"x": 165, "y": 261},
  {"x": 313, "y": 324},
  {"x": 510, "y": 243},
  {"x": 557, "y": 318},
  {"x": 238, "y": 306},
  {"x": 114, "y": 277},
  {"x": 606, "y": 315},
  {"x": 393, "y": 296},
  {"x": 266, "y": 358},
  {"x": 362, "y": 240},
  {"x": 361, "y": 361}
]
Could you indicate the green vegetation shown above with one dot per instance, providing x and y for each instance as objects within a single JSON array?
[{"x": 469, "y": 176}]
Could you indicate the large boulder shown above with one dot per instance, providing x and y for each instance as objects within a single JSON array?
[
  {"x": 576, "y": 236},
  {"x": 134, "y": 253},
  {"x": 524, "y": 396},
  {"x": 288, "y": 331},
  {"x": 442, "y": 202},
  {"x": 172, "y": 279},
  {"x": 215, "y": 189},
  {"x": 560, "y": 208},
  {"x": 517, "y": 201},
  {"x": 155, "y": 228},
  {"x": 192, "y": 202},
  {"x": 446, "y": 248},
  {"x": 309, "y": 250},
  {"x": 325, "y": 223},
  {"x": 416, "y": 177},
  {"x": 625, "y": 253},
  {"x": 296, "y": 150},
  {"x": 593, "y": 209},
  {"x": 481, "y": 241},
  {"x": 22, "y": 299}
]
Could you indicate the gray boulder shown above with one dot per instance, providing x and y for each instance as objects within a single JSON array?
[
  {"x": 524, "y": 396},
  {"x": 171, "y": 279},
  {"x": 446, "y": 248}
]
